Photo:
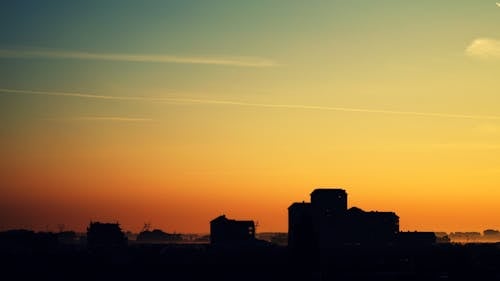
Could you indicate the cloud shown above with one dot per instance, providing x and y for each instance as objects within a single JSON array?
[
  {"x": 178, "y": 100},
  {"x": 61, "y": 54},
  {"x": 484, "y": 48},
  {"x": 70, "y": 94},
  {"x": 111, "y": 118},
  {"x": 101, "y": 118}
]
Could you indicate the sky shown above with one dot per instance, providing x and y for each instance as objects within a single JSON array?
[{"x": 175, "y": 112}]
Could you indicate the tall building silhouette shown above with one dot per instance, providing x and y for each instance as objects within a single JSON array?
[
  {"x": 301, "y": 234},
  {"x": 326, "y": 222},
  {"x": 329, "y": 200}
]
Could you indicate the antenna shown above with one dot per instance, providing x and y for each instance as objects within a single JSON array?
[
  {"x": 61, "y": 227},
  {"x": 147, "y": 226}
]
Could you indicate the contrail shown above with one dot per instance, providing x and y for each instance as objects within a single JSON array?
[
  {"x": 248, "y": 104},
  {"x": 59, "y": 54},
  {"x": 102, "y": 118},
  {"x": 331, "y": 108},
  {"x": 70, "y": 94}
]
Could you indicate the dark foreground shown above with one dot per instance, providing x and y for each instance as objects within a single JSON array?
[{"x": 264, "y": 262}]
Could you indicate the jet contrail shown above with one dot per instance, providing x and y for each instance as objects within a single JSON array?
[
  {"x": 103, "y": 118},
  {"x": 248, "y": 104},
  {"x": 60, "y": 54},
  {"x": 69, "y": 94},
  {"x": 331, "y": 108},
  {"x": 114, "y": 118}
]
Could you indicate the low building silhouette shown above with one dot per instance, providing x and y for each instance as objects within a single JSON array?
[
  {"x": 491, "y": 232},
  {"x": 26, "y": 241},
  {"x": 158, "y": 235},
  {"x": 442, "y": 237},
  {"x": 224, "y": 230},
  {"x": 105, "y": 235},
  {"x": 491, "y": 235},
  {"x": 326, "y": 222},
  {"x": 416, "y": 238},
  {"x": 67, "y": 237}
]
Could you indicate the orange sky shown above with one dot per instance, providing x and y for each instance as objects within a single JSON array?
[{"x": 71, "y": 180}]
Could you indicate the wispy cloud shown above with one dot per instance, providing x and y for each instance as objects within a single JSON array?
[
  {"x": 111, "y": 118},
  {"x": 62, "y": 54},
  {"x": 485, "y": 48},
  {"x": 71, "y": 94},
  {"x": 178, "y": 100},
  {"x": 101, "y": 118}
]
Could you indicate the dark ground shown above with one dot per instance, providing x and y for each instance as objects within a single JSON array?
[{"x": 56, "y": 261}]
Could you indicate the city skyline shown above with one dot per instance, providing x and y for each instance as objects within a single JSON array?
[{"x": 175, "y": 113}]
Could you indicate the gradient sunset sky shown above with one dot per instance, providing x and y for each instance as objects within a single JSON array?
[{"x": 174, "y": 112}]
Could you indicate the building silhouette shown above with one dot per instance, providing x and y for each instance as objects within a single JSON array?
[
  {"x": 326, "y": 222},
  {"x": 158, "y": 235},
  {"x": 102, "y": 235},
  {"x": 224, "y": 230},
  {"x": 416, "y": 238}
]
